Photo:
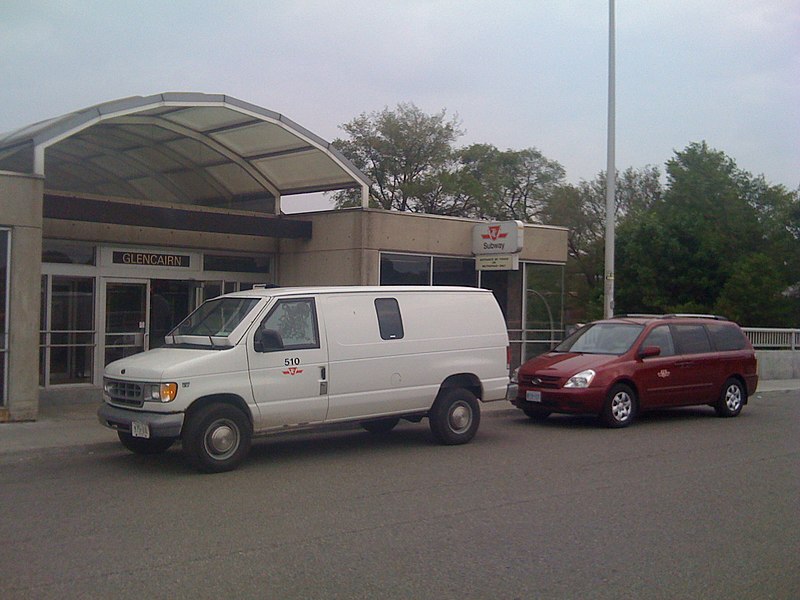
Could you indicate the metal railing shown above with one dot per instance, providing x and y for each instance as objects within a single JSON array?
[
  {"x": 766, "y": 338},
  {"x": 527, "y": 343}
]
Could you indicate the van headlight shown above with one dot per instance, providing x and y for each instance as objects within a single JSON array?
[
  {"x": 581, "y": 380},
  {"x": 515, "y": 375},
  {"x": 160, "y": 392}
]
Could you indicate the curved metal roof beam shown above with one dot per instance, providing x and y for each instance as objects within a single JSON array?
[
  {"x": 109, "y": 175},
  {"x": 50, "y": 132},
  {"x": 161, "y": 149},
  {"x": 206, "y": 141},
  {"x": 102, "y": 172}
]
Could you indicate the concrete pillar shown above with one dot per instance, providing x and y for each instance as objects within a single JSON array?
[{"x": 21, "y": 212}]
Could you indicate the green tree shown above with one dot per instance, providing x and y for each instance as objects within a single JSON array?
[
  {"x": 505, "y": 184},
  {"x": 754, "y": 294},
  {"x": 696, "y": 248},
  {"x": 582, "y": 209},
  {"x": 405, "y": 153}
]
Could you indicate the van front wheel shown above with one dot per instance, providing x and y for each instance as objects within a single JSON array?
[
  {"x": 217, "y": 438},
  {"x": 454, "y": 417}
]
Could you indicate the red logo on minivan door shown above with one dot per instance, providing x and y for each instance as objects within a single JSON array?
[{"x": 292, "y": 371}]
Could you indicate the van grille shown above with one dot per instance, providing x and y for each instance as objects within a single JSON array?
[{"x": 124, "y": 392}]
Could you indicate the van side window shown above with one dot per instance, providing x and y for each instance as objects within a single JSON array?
[
  {"x": 661, "y": 337},
  {"x": 295, "y": 321},
  {"x": 726, "y": 336},
  {"x": 390, "y": 322},
  {"x": 691, "y": 339}
]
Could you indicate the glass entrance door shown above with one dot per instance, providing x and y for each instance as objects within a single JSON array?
[{"x": 126, "y": 318}]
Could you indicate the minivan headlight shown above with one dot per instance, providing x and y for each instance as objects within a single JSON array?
[
  {"x": 581, "y": 380},
  {"x": 160, "y": 392}
]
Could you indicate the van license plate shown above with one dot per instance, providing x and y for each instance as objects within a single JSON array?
[
  {"x": 533, "y": 396},
  {"x": 140, "y": 430}
]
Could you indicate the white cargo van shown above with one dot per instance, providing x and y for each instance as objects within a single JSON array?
[{"x": 270, "y": 360}]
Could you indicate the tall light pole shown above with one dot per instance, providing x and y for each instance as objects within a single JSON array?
[{"x": 611, "y": 173}]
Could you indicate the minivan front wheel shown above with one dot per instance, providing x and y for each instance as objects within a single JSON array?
[
  {"x": 620, "y": 407},
  {"x": 454, "y": 417},
  {"x": 731, "y": 399},
  {"x": 217, "y": 438}
]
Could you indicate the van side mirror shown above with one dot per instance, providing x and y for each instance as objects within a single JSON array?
[
  {"x": 267, "y": 340},
  {"x": 649, "y": 352}
]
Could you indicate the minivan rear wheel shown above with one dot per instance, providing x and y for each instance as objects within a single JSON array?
[
  {"x": 620, "y": 407},
  {"x": 731, "y": 398},
  {"x": 454, "y": 417}
]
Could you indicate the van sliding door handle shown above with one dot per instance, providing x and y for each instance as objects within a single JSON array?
[{"x": 323, "y": 381}]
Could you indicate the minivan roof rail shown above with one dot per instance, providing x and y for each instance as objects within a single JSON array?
[{"x": 671, "y": 316}]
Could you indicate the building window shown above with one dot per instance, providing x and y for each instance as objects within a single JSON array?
[
  {"x": 417, "y": 269},
  {"x": 405, "y": 269},
  {"x": 68, "y": 332},
  {"x": 70, "y": 253},
  {"x": 236, "y": 264},
  {"x": 454, "y": 271},
  {"x": 5, "y": 268},
  {"x": 544, "y": 308}
]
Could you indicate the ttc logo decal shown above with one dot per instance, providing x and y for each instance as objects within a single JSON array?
[
  {"x": 292, "y": 371},
  {"x": 663, "y": 373},
  {"x": 494, "y": 233}
]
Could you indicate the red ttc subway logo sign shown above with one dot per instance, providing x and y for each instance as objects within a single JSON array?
[{"x": 503, "y": 237}]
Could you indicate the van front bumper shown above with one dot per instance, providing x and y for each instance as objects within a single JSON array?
[{"x": 160, "y": 425}]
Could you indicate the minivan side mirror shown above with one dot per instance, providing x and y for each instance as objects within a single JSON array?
[
  {"x": 649, "y": 351},
  {"x": 267, "y": 340}
]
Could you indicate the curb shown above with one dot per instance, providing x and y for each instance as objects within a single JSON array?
[{"x": 79, "y": 427}]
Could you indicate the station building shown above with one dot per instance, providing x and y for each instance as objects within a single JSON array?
[{"x": 116, "y": 221}]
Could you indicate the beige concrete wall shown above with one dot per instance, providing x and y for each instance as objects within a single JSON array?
[
  {"x": 345, "y": 245},
  {"x": 21, "y": 210}
]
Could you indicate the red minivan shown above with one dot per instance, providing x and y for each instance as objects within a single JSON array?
[{"x": 618, "y": 367}]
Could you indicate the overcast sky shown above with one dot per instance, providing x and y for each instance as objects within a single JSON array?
[{"x": 518, "y": 74}]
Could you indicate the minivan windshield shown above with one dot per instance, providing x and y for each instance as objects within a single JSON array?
[
  {"x": 215, "y": 318},
  {"x": 602, "y": 338}
]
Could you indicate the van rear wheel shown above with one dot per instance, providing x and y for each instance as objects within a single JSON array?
[
  {"x": 217, "y": 438},
  {"x": 454, "y": 417}
]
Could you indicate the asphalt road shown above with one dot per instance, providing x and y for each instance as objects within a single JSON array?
[{"x": 680, "y": 505}]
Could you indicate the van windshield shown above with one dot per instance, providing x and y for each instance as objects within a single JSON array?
[
  {"x": 215, "y": 318},
  {"x": 602, "y": 338}
]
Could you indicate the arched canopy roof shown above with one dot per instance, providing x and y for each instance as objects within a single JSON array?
[{"x": 187, "y": 148}]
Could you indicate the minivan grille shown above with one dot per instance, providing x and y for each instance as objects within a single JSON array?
[
  {"x": 125, "y": 392},
  {"x": 540, "y": 381}
]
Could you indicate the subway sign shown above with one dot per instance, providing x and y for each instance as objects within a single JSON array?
[
  {"x": 151, "y": 259},
  {"x": 498, "y": 237}
]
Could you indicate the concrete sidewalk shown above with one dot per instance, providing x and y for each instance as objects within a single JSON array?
[{"x": 74, "y": 424}]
